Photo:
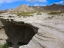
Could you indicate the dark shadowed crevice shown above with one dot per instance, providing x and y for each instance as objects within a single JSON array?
[{"x": 19, "y": 34}]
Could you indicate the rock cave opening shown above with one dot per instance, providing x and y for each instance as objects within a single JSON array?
[{"x": 19, "y": 34}]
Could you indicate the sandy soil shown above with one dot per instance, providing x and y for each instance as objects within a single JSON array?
[{"x": 3, "y": 37}]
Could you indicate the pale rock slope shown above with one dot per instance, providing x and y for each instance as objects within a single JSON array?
[
  {"x": 22, "y": 8},
  {"x": 50, "y": 33}
]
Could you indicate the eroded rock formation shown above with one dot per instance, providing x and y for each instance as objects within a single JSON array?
[
  {"x": 35, "y": 32},
  {"x": 18, "y": 33}
]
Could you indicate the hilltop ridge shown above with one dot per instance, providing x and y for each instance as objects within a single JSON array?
[
  {"x": 53, "y": 7},
  {"x": 22, "y": 8}
]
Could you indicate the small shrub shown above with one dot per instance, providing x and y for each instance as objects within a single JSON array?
[
  {"x": 1, "y": 39},
  {"x": 5, "y": 45},
  {"x": 62, "y": 11},
  {"x": 50, "y": 17}
]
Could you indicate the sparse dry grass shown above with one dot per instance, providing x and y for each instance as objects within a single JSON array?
[
  {"x": 39, "y": 13},
  {"x": 62, "y": 11},
  {"x": 54, "y": 13},
  {"x": 0, "y": 46},
  {"x": 46, "y": 11},
  {"x": 25, "y": 13}
]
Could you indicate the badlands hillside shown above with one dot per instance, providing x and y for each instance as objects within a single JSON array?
[
  {"x": 22, "y": 8},
  {"x": 53, "y": 7},
  {"x": 36, "y": 30}
]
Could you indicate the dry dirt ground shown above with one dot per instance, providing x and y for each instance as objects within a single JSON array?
[
  {"x": 50, "y": 33},
  {"x": 3, "y": 37}
]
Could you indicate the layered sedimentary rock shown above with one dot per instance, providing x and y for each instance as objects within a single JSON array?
[
  {"x": 53, "y": 7},
  {"x": 34, "y": 32},
  {"x": 22, "y": 8}
]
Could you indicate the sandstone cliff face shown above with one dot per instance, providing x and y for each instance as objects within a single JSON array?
[{"x": 42, "y": 31}]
